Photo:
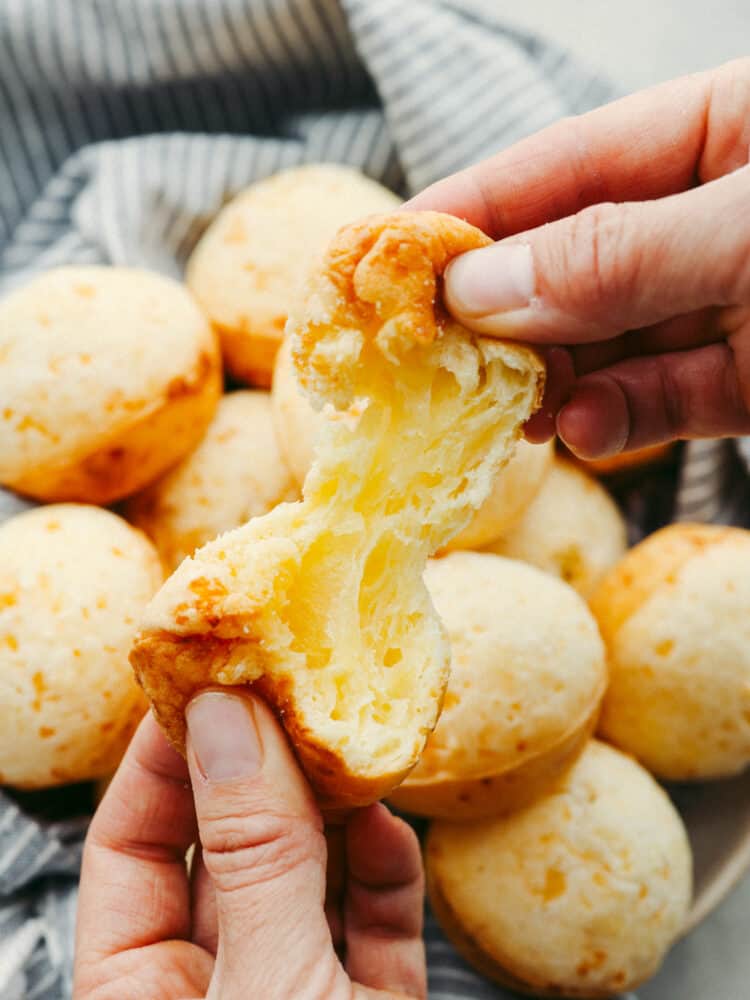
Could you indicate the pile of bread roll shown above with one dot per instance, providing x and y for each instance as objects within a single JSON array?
[
  {"x": 112, "y": 395},
  {"x": 556, "y": 863}
]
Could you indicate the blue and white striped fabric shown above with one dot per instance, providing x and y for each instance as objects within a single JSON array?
[{"x": 126, "y": 124}]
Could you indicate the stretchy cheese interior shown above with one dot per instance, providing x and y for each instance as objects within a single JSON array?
[{"x": 320, "y": 604}]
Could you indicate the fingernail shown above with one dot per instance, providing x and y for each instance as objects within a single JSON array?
[
  {"x": 223, "y": 736},
  {"x": 495, "y": 279}
]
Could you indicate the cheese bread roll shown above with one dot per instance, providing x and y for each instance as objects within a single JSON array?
[
  {"x": 320, "y": 605},
  {"x": 527, "y": 679},
  {"x": 247, "y": 270},
  {"x": 675, "y": 616},
  {"x": 572, "y": 529},
  {"x": 74, "y": 581},
  {"x": 108, "y": 375},
  {"x": 579, "y": 895}
]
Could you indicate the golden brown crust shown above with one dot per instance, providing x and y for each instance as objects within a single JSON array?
[
  {"x": 479, "y": 957},
  {"x": 647, "y": 566},
  {"x": 579, "y": 895},
  {"x": 387, "y": 266},
  {"x": 73, "y": 580},
  {"x": 249, "y": 355},
  {"x": 130, "y": 459},
  {"x": 465, "y": 943},
  {"x": 247, "y": 267},
  {"x": 382, "y": 276},
  {"x": 679, "y": 700},
  {"x": 173, "y": 669},
  {"x": 464, "y": 800},
  {"x": 627, "y": 461}
]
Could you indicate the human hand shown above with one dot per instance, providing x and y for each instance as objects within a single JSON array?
[
  {"x": 643, "y": 270},
  {"x": 257, "y": 916}
]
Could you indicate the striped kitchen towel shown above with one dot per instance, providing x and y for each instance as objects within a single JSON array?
[{"x": 126, "y": 124}]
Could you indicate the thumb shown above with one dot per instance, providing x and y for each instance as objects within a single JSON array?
[
  {"x": 610, "y": 268},
  {"x": 263, "y": 846}
]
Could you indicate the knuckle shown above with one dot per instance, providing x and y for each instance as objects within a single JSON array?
[
  {"x": 241, "y": 850},
  {"x": 728, "y": 102},
  {"x": 738, "y": 369},
  {"x": 599, "y": 264},
  {"x": 674, "y": 406},
  {"x": 736, "y": 289},
  {"x": 729, "y": 99}
]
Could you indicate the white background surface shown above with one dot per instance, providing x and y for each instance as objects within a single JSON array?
[{"x": 640, "y": 42}]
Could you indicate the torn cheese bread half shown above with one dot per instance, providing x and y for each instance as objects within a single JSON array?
[{"x": 320, "y": 605}]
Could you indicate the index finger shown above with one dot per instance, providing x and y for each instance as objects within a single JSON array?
[{"x": 651, "y": 144}]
